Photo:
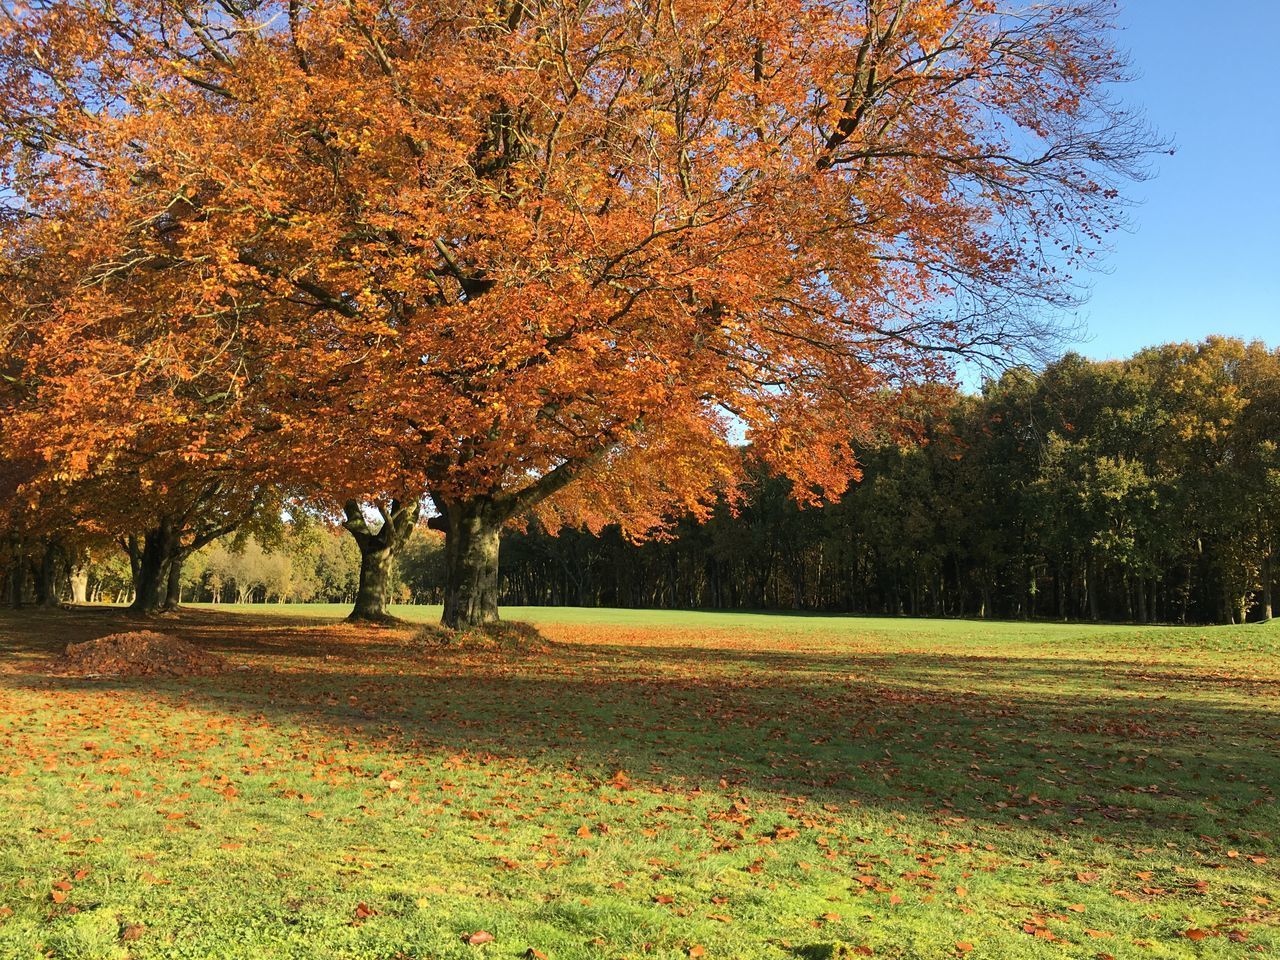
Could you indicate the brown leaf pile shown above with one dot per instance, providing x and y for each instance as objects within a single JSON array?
[
  {"x": 140, "y": 653},
  {"x": 510, "y": 636}
]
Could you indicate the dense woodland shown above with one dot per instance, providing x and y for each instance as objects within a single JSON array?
[{"x": 1144, "y": 490}]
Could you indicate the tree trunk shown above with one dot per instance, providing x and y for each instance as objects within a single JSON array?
[
  {"x": 46, "y": 575},
  {"x": 472, "y": 530},
  {"x": 79, "y": 584},
  {"x": 1268, "y": 577},
  {"x": 173, "y": 583},
  {"x": 377, "y": 556},
  {"x": 151, "y": 569},
  {"x": 375, "y": 580},
  {"x": 17, "y": 582}
]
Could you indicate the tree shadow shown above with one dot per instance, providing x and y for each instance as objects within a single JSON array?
[{"x": 1083, "y": 748}]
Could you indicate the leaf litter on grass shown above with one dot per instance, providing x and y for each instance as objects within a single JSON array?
[{"x": 639, "y": 793}]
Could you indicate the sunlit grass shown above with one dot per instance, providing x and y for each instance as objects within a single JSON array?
[{"x": 652, "y": 784}]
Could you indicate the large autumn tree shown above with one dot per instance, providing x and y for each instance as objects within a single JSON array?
[{"x": 558, "y": 256}]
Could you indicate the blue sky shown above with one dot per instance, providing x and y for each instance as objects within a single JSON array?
[{"x": 1204, "y": 255}]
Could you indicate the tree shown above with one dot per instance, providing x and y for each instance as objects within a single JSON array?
[
  {"x": 554, "y": 257},
  {"x": 378, "y": 550}
]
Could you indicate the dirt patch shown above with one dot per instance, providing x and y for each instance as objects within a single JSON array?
[{"x": 139, "y": 653}]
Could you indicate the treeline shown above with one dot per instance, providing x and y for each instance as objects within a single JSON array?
[
  {"x": 1143, "y": 490},
  {"x": 304, "y": 561}
]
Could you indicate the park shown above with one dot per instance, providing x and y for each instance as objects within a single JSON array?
[
  {"x": 578, "y": 480},
  {"x": 645, "y": 784}
]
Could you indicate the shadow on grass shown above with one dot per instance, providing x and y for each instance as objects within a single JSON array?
[{"x": 1081, "y": 747}]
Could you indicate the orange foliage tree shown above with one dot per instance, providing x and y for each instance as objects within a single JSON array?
[{"x": 555, "y": 257}]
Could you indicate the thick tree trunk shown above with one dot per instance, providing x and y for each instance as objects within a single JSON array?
[
  {"x": 173, "y": 582},
  {"x": 17, "y": 582},
  {"x": 472, "y": 530},
  {"x": 44, "y": 574},
  {"x": 151, "y": 569},
  {"x": 376, "y": 562},
  {"x": 79, "y": 584},
  {"x": 377, "y": 556}
]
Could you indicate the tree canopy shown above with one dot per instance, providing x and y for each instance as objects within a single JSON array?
[{"x": 526, "y": 257}]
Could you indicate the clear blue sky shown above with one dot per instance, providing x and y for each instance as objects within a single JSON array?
[{"x": 1204, "y": 255}]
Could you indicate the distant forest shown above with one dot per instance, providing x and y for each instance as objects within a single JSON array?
[
  {"x": 1142, "y": 490},
  {"x": 1145, "y": 490}
]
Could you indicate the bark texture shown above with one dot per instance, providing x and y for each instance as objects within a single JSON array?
[
  {"x": 45, "y": 573},
  {"x": 150, "y": 566},
  {"x": 173, "y": 581},
  {"x": 472, "y": 531},
  {"x": 378, "y": 550}
]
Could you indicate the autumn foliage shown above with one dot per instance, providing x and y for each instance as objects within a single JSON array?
[{"x": 527, "y": 258}]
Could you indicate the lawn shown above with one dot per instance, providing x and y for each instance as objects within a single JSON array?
[{"x": 652, "y": 785}]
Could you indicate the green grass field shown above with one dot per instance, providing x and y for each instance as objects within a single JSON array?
[{"x": 652, "y": 785}]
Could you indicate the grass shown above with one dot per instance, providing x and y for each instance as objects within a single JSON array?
[{"x": 654, "y": 785}]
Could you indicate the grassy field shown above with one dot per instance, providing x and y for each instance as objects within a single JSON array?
[{"x": 652, "y": 785}]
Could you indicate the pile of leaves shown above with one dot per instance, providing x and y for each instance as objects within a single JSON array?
[
  {"x": 140, "y": 653},
  {"x": 514, "y": 636}
]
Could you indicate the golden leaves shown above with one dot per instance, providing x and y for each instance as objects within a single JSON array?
[{"x": 493, "y": 251}]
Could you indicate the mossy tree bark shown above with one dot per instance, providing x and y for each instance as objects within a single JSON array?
[
  {"x": 472, "y": 532},
  {"x": 472, "y": 527},
  {"x": 378, "y": 550}
]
